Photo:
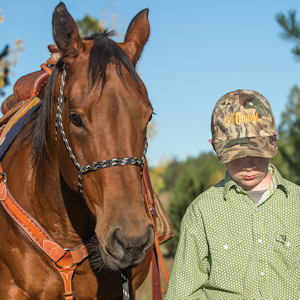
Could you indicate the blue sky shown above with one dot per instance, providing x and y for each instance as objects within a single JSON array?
[{"x": 197, "y": 51}]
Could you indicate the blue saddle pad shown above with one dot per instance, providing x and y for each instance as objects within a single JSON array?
[{"x": 15, "y": 129}]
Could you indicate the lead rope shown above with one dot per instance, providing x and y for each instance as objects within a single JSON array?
[
  {"x": 125, "y": 286},
  {"x": 95, "y": 165}
]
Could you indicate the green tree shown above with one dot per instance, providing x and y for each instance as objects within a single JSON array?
[
  {"x": 196, "y": 175},
  {"x": 291, "y": 30},
  {"x": 89, "y": 25},
  {"x": 288, "y": 156},
  {"x": 171, "y": 174},
  {"x": 287, "y": 159}
]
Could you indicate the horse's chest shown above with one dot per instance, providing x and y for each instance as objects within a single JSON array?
[
  {"x": 26, "y": 273},
  {"x": 43, "y": 283}
]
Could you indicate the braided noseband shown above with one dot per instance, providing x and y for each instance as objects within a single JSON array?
[{"x": 95, "y": 165}]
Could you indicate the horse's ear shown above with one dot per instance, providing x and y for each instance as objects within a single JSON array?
[
  {"x": 65, "y": 33},
  {"x": 137, "y": 35}
]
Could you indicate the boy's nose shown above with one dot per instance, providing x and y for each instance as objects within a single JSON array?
[
  {"x": 248, "y": 168},
  {"x": 248, "y": 164}
]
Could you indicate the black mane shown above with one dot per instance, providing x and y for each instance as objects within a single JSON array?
[{"x": 103, "y": 52}]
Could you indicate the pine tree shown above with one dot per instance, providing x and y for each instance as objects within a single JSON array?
[{"x": 291, "y": 30}]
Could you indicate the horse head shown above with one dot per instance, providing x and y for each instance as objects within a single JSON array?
[{"x": 104, "y": 112}]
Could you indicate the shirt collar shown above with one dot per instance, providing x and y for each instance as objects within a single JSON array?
[{"x": 277, "y": 181}]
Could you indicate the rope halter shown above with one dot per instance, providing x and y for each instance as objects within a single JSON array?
[{"x": 95, "y": 165}]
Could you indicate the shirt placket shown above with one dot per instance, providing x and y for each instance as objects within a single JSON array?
[
  {"x": 260, "y": 246},
  {"x": 257, "y": 271}
]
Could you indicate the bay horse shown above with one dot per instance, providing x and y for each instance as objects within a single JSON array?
[{"x": 62, "y": 171}]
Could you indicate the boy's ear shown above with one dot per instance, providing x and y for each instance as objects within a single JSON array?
[{"x": 210, "y": 140}]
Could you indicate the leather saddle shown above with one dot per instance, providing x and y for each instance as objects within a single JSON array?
[{"x": 33, "y": 84}]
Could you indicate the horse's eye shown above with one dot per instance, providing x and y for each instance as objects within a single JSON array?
[
  {"x": 76, "y": 120},
  {"x": 150, "y": 118}
]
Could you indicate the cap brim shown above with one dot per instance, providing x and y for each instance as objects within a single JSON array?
[{"x": 234, "y": 149}]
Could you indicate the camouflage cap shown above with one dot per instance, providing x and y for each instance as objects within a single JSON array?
[{"x": 243, "y": 125}]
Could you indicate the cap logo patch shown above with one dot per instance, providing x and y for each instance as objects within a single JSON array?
[
  {"x": 229, "y": 119},
  {"x": 238, "y": 118}
]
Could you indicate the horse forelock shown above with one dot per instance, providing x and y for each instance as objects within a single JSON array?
[{"x": 103, "y": 52}]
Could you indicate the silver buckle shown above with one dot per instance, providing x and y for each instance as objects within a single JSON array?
[
  {"x": 64, "y": 295},
  {"x": 3, "y": 174}
]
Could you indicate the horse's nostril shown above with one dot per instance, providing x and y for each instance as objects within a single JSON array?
[
  {"x": 119, "y": 237},
  {"x": 115, "y": 244},
  {"x": 127, "y": 247},
  {"x": 118, "y": 242}
]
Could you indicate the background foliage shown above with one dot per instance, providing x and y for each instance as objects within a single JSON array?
[{"x": 8, "y": 59}]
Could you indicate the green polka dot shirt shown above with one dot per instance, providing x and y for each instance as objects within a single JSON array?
[{"x": 232, "y": 248}]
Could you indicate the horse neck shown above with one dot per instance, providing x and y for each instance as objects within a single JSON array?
[{"x": 46, "y": 197}]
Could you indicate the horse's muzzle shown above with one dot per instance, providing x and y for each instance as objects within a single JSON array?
[{"x": 123, "y": 251}]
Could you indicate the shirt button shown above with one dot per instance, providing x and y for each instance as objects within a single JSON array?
[
  {"x": 288, "y": 244},
  {"x": 259, "y": 241},
  {"x": 238, "y": 190},
  {"x": 262, "y": 273},
  {"x": 225, "y": 247}
]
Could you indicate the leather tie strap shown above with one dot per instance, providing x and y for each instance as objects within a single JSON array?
[{"x": 46, "y": 68}]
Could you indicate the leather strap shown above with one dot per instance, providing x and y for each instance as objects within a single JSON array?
[
  {"x": 149, "y": 205},
  {"x": 46, "y": 68},
  {"x": 49, "y": 62},
  {"x": 64, "y": 260},
  {"x": 157, "y": 248},
  {"x": 66, "y": 269}
]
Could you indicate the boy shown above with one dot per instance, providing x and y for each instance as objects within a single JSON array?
[{"x": 240, "y": 238}]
